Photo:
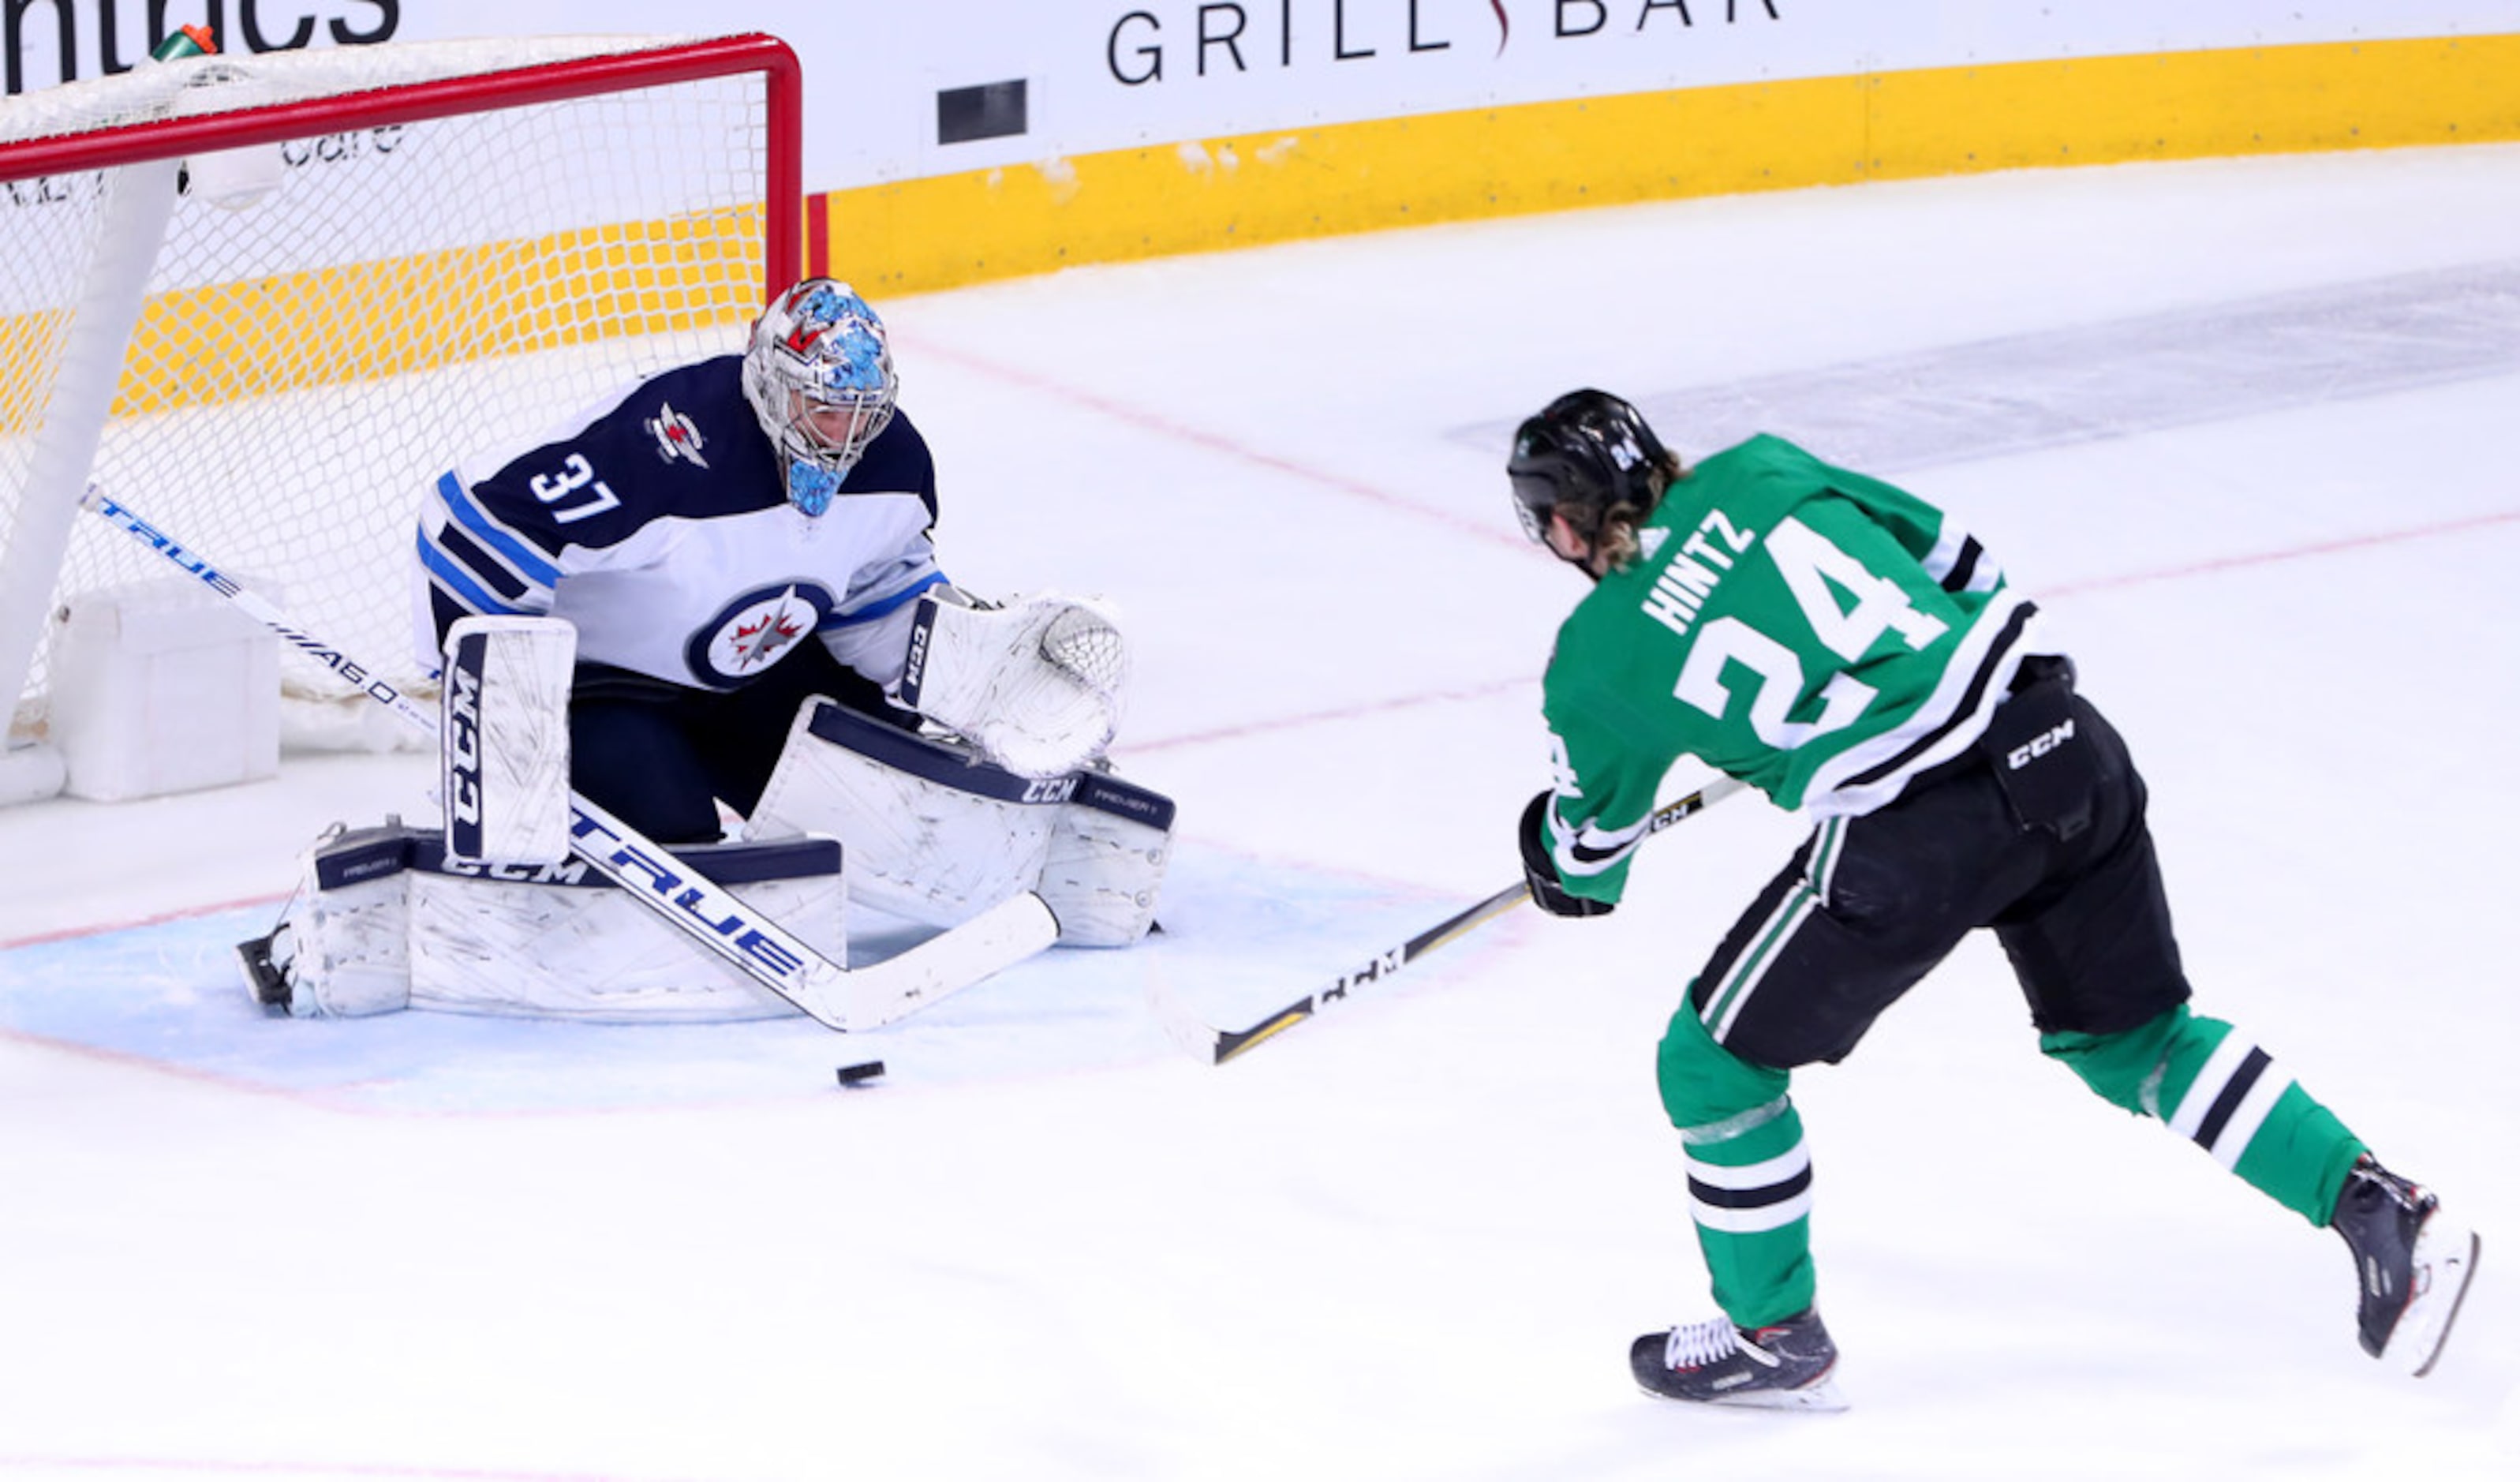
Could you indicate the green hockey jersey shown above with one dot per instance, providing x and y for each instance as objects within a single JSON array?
[{"x": 1815, "y": 633}]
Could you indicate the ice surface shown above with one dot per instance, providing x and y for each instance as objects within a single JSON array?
[{"x": 2245, "y": 425}]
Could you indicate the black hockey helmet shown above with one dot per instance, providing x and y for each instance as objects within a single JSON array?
[{"x": 1588, "y": 452}]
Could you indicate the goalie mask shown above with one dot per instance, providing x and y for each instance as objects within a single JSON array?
[
  {"x": 818, "y": 375},
  {"x": 1588, "y": 455}
]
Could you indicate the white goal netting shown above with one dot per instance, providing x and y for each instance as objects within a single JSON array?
[{"x": 334, "y": 318}]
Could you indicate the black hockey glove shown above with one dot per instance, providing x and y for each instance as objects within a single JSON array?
[{"x": 1547, "y": 888}]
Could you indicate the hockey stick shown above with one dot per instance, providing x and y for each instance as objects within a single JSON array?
[
  {"x": 843, "y": 998},
  {"x": 1223, "y": 1045}
]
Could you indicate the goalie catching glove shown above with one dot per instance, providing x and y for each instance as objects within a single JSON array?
[
  {"x": 1548, "y": 888},
  {"x": 1035, "y": 685}
]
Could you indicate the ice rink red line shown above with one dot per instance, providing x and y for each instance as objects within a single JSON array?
[
  {"x": 184, "y": 914},
  {"x": 1344, "y": 712},
  {"x": 1249, "y": 728},
  {"x": 171, "y": 1466},
  {"x": 2289, "y": 553},
  {"x": 2062, "y": 590},
  {"x": 172, "y": 1069},
  {"x": 342, "y": 1099},
  {"x": 1141, "y": 418}
]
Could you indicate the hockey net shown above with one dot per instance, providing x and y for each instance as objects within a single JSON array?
[{"x": 375, "y": 260}]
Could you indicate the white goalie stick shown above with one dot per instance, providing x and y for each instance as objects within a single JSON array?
[
  {"x": 843, "y": 998},
  {"x": 1222, "y": 1045}
]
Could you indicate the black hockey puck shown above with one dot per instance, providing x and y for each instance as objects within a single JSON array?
[{"x": 861, "y": 1073}]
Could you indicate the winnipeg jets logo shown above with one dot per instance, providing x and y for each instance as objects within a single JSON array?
[
  {"x": 677, "y": 435},
  {"x": 755, "y": 631},
  {"x": 760, "y": 643}
]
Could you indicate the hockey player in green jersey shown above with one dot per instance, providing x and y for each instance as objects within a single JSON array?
[{"x": 1837, "y": 644}]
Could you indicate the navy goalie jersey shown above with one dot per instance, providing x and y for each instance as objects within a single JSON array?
[{"x": 657, "y": 524}]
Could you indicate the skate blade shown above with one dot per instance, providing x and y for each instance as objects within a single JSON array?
[
  {"x": 2444, "y": 1262},
  {"x": 1821, "y": 1396}
]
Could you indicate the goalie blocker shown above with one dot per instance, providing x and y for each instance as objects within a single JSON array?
[
  {"x": 504, "y": 746},
  {"x": 935, "y": 834}
]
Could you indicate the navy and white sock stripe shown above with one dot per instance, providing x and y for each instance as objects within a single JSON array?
[
  {"x": 2229, "y": 1100},
  {"x": 1753, "y": 1198}
]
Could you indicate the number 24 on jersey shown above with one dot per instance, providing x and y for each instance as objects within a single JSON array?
[{"x": 1815, "y": 570}]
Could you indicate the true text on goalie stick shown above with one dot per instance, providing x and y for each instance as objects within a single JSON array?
[
  {"x": 1226, "y": 1044},
  {"x": 703, "y": 909}
]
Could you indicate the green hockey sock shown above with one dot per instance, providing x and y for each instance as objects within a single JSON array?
[
  {"x": 1749, "y": 1174},
  {"x": 2215, "y": 1088}
]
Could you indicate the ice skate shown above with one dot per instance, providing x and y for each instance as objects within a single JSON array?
[
  {"x": 2411, "y": 1264},
  {"x": 1784, "y": 1366}
]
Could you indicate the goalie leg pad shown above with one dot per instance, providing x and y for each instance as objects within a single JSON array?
[
  {"x": 340, "y": 949},
  {"x": 504, "y": 750},
  {"x": 386, "y": 920},
  {"x": 933, "y": 835},
  {"x": 1106, "y": 867},
  {"x": 1036, "y": 685},
  {"x": 928, "y": 831},
  {"x": 563, "y": 943}
]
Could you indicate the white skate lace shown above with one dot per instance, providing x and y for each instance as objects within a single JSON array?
[{"x": 1701, "y": 1344}]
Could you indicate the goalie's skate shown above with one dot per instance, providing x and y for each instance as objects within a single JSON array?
[
  {"x": 1784, "y": 1366},
  {"x": 2411, "y": 1264},
  {"x": 262, "y": 975}
]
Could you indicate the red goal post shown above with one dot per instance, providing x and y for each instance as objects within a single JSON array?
[{"x": 267, "y": 298}]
